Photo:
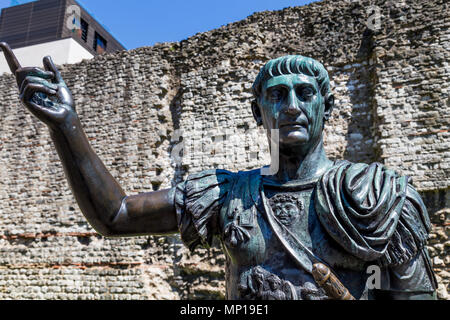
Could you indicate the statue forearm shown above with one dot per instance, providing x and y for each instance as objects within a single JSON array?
[
  {"x": 98, "y": 194},
  {"x": 101, "y": 199}
]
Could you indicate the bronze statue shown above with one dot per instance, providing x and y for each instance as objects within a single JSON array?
[{"x": 309, "y": 230}]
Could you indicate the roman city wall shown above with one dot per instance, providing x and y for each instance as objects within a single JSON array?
[{"x": 156, "y": 114}]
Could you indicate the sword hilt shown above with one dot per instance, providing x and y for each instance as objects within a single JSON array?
[{"x": 330, "y": 283}]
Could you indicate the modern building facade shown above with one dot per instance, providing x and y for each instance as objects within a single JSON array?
[{"x": 59, "y": 28}]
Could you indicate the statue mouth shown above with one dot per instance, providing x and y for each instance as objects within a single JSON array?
[{"x": 293, "y": 125}]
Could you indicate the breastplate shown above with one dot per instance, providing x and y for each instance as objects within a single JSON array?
[{"x": 259, "y": 267}]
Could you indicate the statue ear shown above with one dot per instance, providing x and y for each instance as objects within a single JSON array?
[
  {"x": 329, "y": 106},
  {"x": 256, "y": 113}
]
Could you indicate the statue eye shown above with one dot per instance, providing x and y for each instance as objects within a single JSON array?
[
  {"x": 276, "y": 94},
  {"x": 306, "y": 93}
]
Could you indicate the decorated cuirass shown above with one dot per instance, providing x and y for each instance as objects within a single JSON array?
[{"x": 352, "y": 217}]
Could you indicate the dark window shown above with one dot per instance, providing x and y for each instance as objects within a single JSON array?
[
  {"x": 99, "y": 43},
  {"x": 84, "y": 30}
]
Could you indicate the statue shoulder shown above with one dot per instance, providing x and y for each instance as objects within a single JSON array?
[
  {"x": 372, "y": 211},
  {"x": 198, "y": 201},
  {"x": 352, "y": 169}
]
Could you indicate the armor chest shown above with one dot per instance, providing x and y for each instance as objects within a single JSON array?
[{"x": 249, "y": 241}]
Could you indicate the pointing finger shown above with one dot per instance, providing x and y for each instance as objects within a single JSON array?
[{"x": 10, "y": 57}]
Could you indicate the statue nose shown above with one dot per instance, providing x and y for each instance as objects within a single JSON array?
[{"x": 292, "y": 107}]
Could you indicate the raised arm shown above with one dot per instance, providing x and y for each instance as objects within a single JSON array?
[{"x": 101, "y": 199}]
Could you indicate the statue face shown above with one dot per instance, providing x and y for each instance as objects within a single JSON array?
[
  {"x": 275, "y": 283},
  {"x": 294, "y": 105},
  {"x": 286, "y": 212}
]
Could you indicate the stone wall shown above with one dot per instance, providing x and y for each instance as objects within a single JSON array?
[{"x": 391, "y": 87}]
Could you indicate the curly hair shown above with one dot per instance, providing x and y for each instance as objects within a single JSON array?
[
  {"x": 286, "y": 198},
  {"x": 293, "y": 64}
]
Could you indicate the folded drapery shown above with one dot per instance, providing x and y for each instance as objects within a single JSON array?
[{"x": 372, "y": 212}]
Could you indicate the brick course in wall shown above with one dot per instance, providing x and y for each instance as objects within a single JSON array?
[{"x": 391, "y": 87}]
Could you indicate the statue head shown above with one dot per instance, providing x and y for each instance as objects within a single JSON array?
[
  {"x": 274, "y": 283},
  {"x": 292, "y": 94},
  {"x": 286, "y": 207}
]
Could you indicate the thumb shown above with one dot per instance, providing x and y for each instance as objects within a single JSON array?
[{"x": 50, "y": 66}]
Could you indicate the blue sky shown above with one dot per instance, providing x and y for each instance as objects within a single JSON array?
[{"x": 138, "y": 23}]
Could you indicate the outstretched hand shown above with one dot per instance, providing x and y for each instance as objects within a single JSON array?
[{"x": 43, "y": 92}]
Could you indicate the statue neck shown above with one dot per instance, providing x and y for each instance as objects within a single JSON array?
[{"x": 302, "y": 165}]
